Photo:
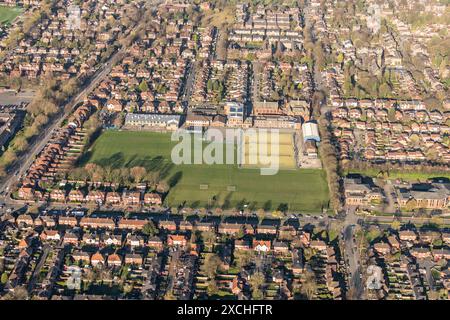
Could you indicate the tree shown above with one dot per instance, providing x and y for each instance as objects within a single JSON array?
[
  {"x": 153, "y": 177},
  {"x": 384, "y": 90},
  {"x": 329, "y": 160},
  {"x": 212, "y": 288},
  {"x": 20, "y": 143},
  {"x": 395, "y": 225},
  {"x": 308, "y": 253},
  {"x": 208, "y": 237},
  {"x": 226, "y": 202},
  {"x": 257, "y": 294},
  {"x": 212, "y": 263},
  {"x": 143, "y": 86},
  {"x": 91, "y": 168},
  {"x": 92, "y": 125},
  {"x": 241, "y": 205},
  {"x": 242, "y": 259},
  {"x": 209, "y": 85},
  {"x": 391, "y": 114},
  {"x": 267, "y": 205},
  {"x": 119, "y": 120},
  {"x": 96, "y": 172},
  {"x": 283, "y": 207},
  {"x": 4, "y": 278},
  {"x": 138, "y": 173},
  {"x": 19, "y": 293},
  {"x": 149, "y": 229},
  {"x": 256, "y": 281},
  {"x": 194, "y": 236},
  {"x": 169, "y": 296},
  {"x": 433, "y": 103},
  {"x": 319, "y": 56},
  {"x": 69, "y": 87},
  {"x": 194, "y": 204},
  {"x": 372, "y": 234},
  {"x": 411, "y": 205},
  {"x": 127, "y": 288},
  {"x": 309, "y": 286},
  {"x": 438, "y": 221},
  {"x": 124, "y": 176},
  {"x": 240, "y": 234},
  {"x": 162, "y": 187}
]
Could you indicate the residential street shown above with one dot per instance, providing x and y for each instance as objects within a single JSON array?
[
  {"x": 45, "y": 251},
  {"x": 352, "y": 256},
  {"x": 189, "y": 82}
]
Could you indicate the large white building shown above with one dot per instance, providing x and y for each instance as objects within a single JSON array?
[{"x": 310, "y": 131}]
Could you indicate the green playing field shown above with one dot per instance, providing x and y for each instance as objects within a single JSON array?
[
  {"x": 8, "y": 14},
  {"x": 300, "y": 189}
]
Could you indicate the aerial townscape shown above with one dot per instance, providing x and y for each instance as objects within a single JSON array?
[{"x": 93, "y": 205}]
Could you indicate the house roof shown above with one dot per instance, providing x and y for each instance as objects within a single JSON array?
[
  {"x": 97, "y": 257},
  {"x": 152, "y": 118},
  {"x": 114, "y": 258}
]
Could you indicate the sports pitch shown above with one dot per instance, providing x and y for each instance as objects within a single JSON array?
[
  {"x": 284, "y": 151},
  {"x": 301, "y": 189},
  {"x": 8, "y": 14}
]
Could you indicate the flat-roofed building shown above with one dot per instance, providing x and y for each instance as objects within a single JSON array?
[
  {"x": 266, "y": 108},
  {"x": 153, "y": 121},
  {"x": 276, "y": 122}
]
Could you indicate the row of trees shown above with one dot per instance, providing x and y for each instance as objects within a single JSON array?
[
  {"x": 368, "y": 84},
  {"x": 330, "y": 163},
  {"x": 241, "y": 205},
  {"x": 385, "y": 169},
  {"x": 120, "y": 176}
]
